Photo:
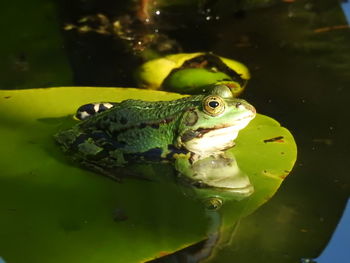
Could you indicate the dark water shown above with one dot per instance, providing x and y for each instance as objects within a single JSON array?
[
  {"x": 299, "y": 58},
  {"x": 300, "y": 68}
]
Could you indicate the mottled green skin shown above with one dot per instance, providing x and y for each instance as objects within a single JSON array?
[
  {"x": 135, "y": 130},
  {"x": 145, "y": 126},
  {"x": 149, "y": 124}
]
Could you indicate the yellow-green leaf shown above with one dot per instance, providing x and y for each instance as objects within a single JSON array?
[{"x": 54, "y": 211}]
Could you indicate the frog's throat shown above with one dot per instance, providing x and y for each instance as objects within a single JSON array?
[
  {"x": 207, "y": 141},
  {"x": 212, "y": 141},
  {"x": 235, "y": 127}
]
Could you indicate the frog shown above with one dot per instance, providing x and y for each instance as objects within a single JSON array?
[{"x": 183, "y": 132}]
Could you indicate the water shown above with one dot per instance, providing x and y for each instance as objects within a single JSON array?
[
  {"x": 337, "y": 249},
  {"x": 346, "y": 9},
  {"x": 299, "y": 56}
]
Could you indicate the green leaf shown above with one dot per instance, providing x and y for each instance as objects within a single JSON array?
[
  {"x": 183, "y": 73},
  {"x": 266, "y": 152},
  {"x": 54, "y": 211}
]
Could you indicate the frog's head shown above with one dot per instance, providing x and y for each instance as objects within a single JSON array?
[{"x": 212, "y": 126}]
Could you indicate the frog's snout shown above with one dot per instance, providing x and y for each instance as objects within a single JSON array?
[{"x": 251, "y": 108}]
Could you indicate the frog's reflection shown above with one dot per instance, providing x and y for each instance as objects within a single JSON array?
[
  {"x": 213, "y": 180},
  {"x": 216, "y": 179}
]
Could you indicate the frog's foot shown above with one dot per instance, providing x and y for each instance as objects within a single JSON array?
[{"x": 87, "y": 110}]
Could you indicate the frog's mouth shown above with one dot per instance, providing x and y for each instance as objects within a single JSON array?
[
  {"x": 239, "y": 124},
  {"x": 207, "y": 141},
  {"x": 218, "y": 130}
]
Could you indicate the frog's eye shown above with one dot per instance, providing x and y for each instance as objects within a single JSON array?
[{"x": 213, "y": 105}]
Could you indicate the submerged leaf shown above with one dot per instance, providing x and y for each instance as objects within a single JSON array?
[{"x": 31, "y": 35}]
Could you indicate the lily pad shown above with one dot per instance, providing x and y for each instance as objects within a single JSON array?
[
  {"x": 190, "y": 73},
  {"x": 54, "y": 211}
]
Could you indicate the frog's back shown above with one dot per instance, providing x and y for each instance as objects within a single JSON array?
[
  {"x": 130, "y": 128},
  {"x": 131, "y": 113}
]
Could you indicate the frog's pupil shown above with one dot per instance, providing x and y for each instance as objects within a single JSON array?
[{"x": 213, "y": 104}]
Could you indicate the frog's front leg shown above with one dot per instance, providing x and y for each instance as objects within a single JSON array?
[
  {"x": 87, "y": 110},
  {"x": 183, "y": 164}
]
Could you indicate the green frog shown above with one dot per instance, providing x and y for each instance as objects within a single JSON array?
[{"x": 184, "y": 131}]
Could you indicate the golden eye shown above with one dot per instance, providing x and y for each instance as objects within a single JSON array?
[{"x": 213, "y": 105}]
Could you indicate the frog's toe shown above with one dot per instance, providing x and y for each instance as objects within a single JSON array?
[{"x": 87, "y": 110}]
